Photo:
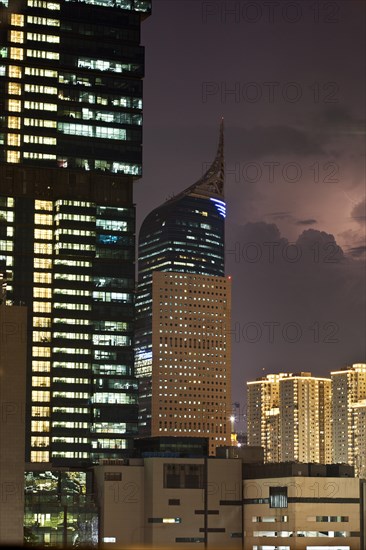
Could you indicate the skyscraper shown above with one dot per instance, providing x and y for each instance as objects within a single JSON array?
[
  {"x": 70, "y": 148},
  {"x": 183, "y": 319},
  {"x": 349, "y": 415},
  {"x": 290, "y": 416}
]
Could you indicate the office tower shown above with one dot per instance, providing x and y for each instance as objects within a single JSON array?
[
  {"x": 13, "y": 331},
  {"x": 292, "y": 411},
  {"x": 183, "y": 314},
  {"x": 70, "y": 141},
  {"x": 349, "y": 406},
  {"x": 191, "y": 378}
]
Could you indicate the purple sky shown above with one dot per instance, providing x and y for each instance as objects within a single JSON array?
[{"x": 290, "y": 83}]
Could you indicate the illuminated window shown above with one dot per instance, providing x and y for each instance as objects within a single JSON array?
[
  {"x": 14, "y": 140},
  {"x": 14, "y": 105},
  {"x": 39, "y": 441},
  {"x": 45, "y": 234},
  {"x": 35, "y": 71},
  {"x": 42, "y": 307},
  {"x": 278, "y": 497},
  {"x": 14, "y": 122},
  {"x": 43, "y": 248},
  {"x": 40, "y": 411},
  {"x": 41, "y": 366},
  {"x": 41, "y": 396},
  {"x": 40, "y": 292},
  {"x": 42, "y": 156},
  {"x": 13, "y": 156},
  {"x": 41, "y": 336},
  {"x": 16, "y": 53},
  {"x": 40, "y": 106},
  {"x": 43, "y": 278},
  {"x": 40, "y": 122},
  {"x": 49, "y": 38},
  {"x": 17, "y": 20},
  {"x": 41, "y": 351},
  {"x": 40, "y": 456},
  {"x": 42, "y": 381},
  {"x": 15, "y": 71},
  {"x": 43, "y": 21},
  {"x": 43, "y": 4},
  {"x": 14, "y": 88},
  {"x": 17, "y": 36},
  {"x": 42, "y": 54},
  {"x": 43, "y": 140},
  {"x": 43, "y": 219},
  {"x": 39, "y": 89},
  {"x": 42, "y": 263}
]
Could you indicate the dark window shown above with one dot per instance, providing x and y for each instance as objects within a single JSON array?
[
  {"x": 183, "y": 476},
  {"x": 278, "y": 497},
  {"x": 174, "y": 501},
  {"x": 189, "y": 539},
  {"x": 112, "y": 476}
]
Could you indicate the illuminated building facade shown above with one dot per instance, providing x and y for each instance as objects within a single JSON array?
[
  {"x": 184, "y": 236},
  {"x": 263, "y": 415},
  {"x": 292, "y": 411},
  {"x": 191, "y": 380},
  {"x": 349, "y": 417},
  {"x": 70, "y": 148}
]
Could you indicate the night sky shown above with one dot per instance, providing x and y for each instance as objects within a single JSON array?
[{"x": 289, "y": 79}]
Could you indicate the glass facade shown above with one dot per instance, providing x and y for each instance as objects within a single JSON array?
[
  {"x": 70, "y": 149},
  {"x": 60, "y": 510},
  {"x": 187, "y": 235},
  {"x": 70, "y": 84}
]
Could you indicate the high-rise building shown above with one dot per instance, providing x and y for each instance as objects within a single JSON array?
[
  {"x": 263, "y": 415},
  {"x": 70, "y": 148},
  {"x": 291, "y": 413},
  {"x": 349, "y": 415},
  {"x": 183, "y": 315},
  {"x": 191, "y": 377}
]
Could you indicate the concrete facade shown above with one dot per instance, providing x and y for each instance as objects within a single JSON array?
[
  {"x": 191, "y": 372},
  {"x": 13, "y": 326},
  {"x": 302, "y": 513},
  {"x": 160, "y": 502},
  {"x": 165, "y": 502}
]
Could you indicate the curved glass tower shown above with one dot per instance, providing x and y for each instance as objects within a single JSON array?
[{"x": 184, "y": 235}]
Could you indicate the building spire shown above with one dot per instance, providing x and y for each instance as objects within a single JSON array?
[{"x": 212, "y": 182}]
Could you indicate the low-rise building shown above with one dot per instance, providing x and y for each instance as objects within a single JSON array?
[
  {"x": 301, "y": 507},
  {"x": 165, "y": 501}
]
